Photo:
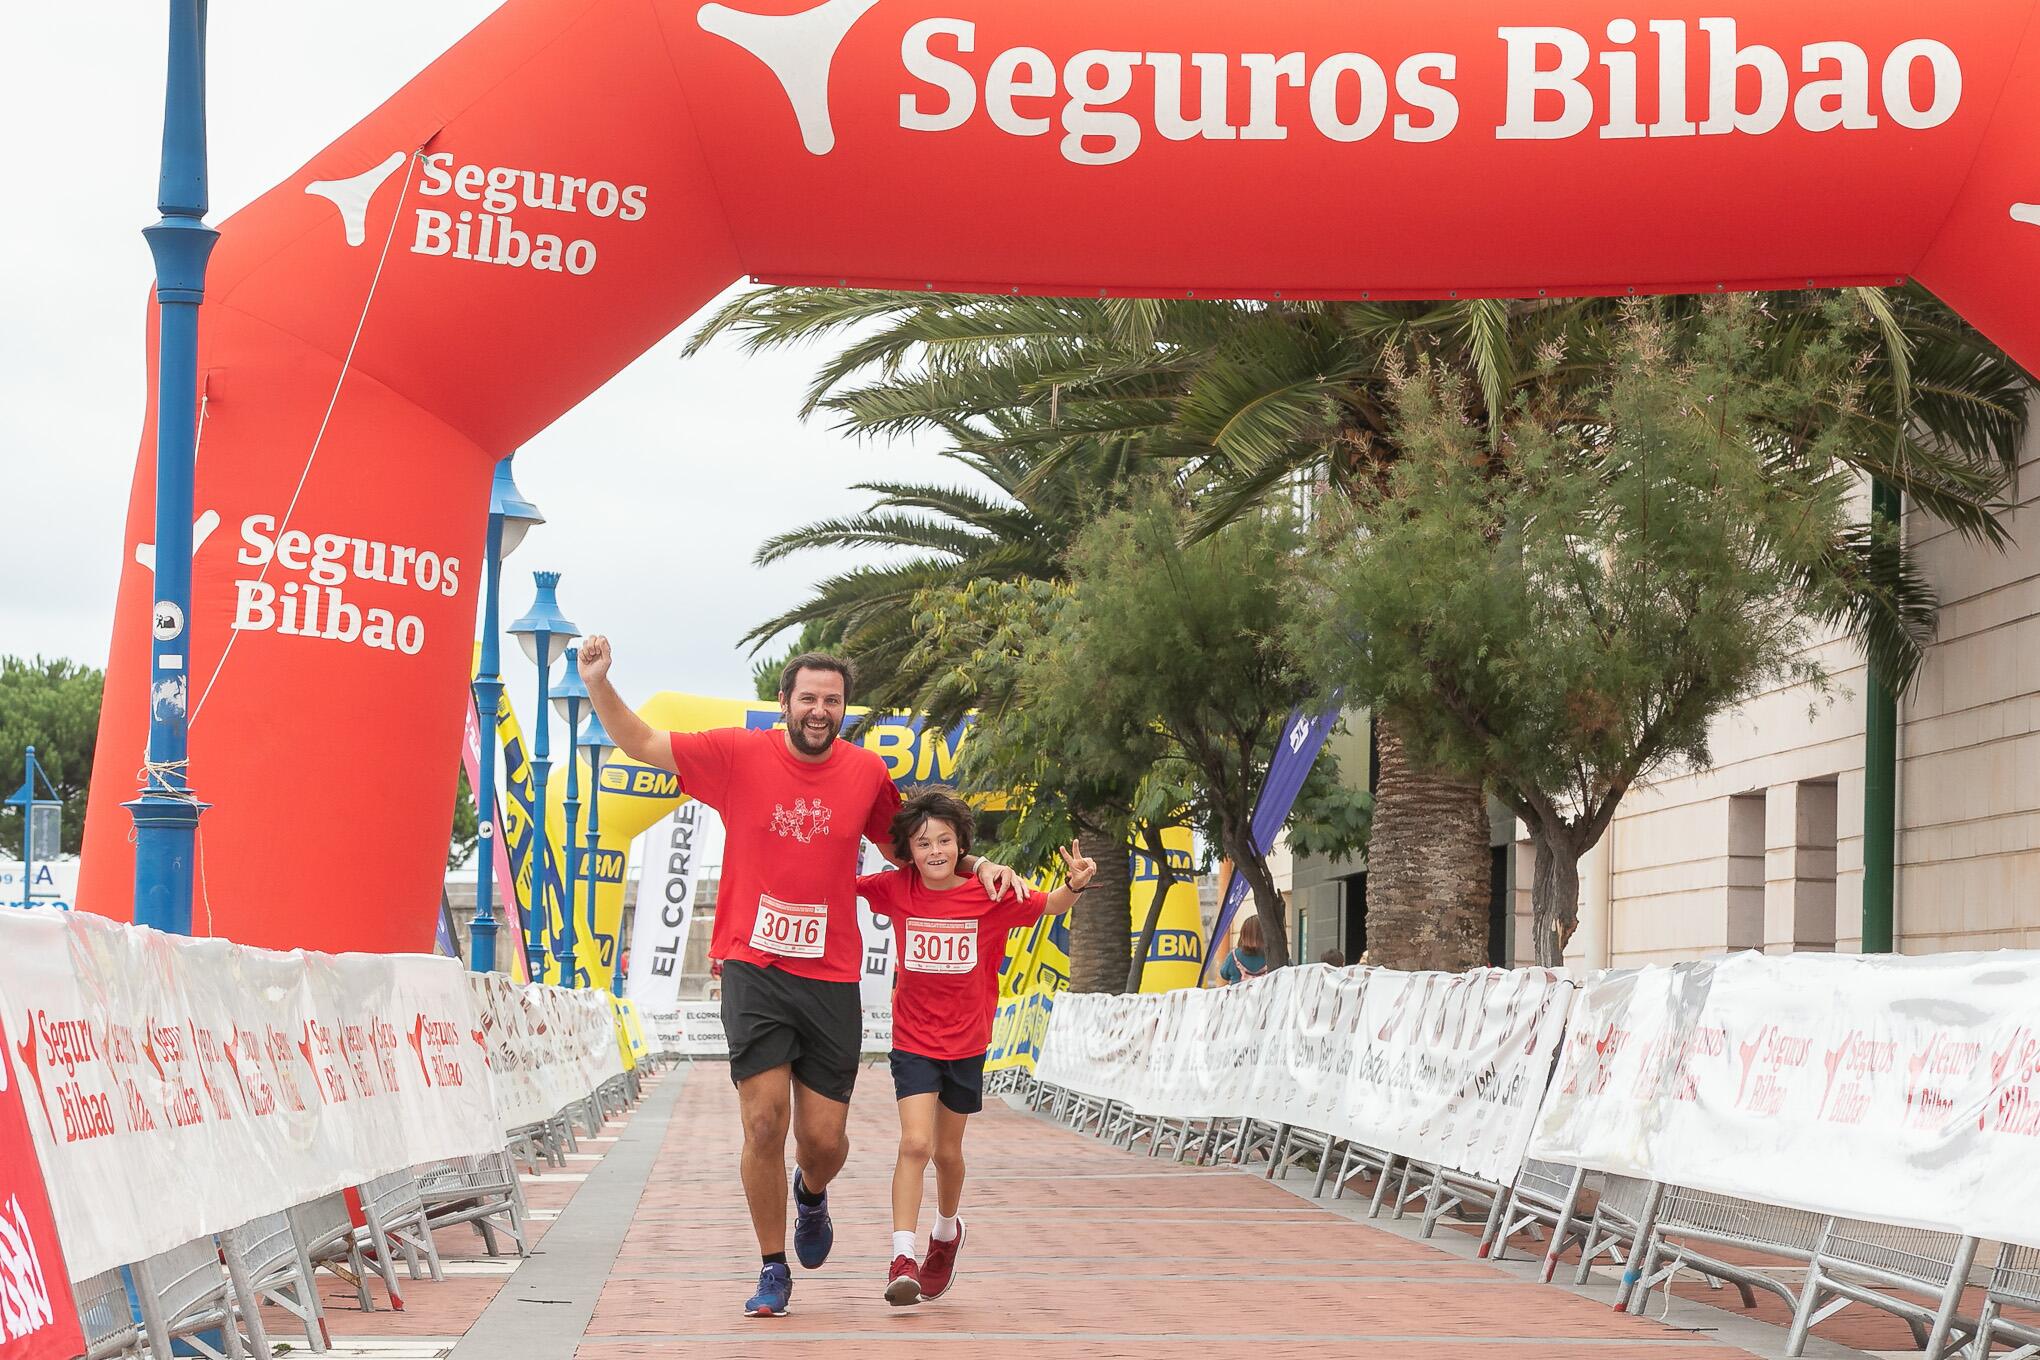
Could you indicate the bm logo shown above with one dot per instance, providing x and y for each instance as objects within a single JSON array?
[
  {"x": 1176, "y": 944},
  {"x": 609, "y": 866},
  {"x": 640, "y": 781}
]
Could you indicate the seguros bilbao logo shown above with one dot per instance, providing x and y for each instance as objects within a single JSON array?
[
  {"x": 1107, "y": 102},
  {"x": 501, "y": 215}
]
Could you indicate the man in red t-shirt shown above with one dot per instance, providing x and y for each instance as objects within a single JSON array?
[
  {"x": 951, "y": 938},
  {"x": 794, "y": 805}
]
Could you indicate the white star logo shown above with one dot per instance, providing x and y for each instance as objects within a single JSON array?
[
  {"x": 797, "y": 48},
  {"x": 201, "y": 529},
  {"x": 351, "y": 196}
]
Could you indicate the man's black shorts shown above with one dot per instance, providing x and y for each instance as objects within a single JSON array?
[
  {"x": 960, "y": 1082},
  {"x": 774, "y": 1019}
]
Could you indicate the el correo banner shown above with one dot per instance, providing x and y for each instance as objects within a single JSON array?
[
  {"x": 1901, "y": 1090},
  {"x": 179, "y": 1087},
  {"x": 1445, "y": 1068},
  {"x": 664, "y": 912}
]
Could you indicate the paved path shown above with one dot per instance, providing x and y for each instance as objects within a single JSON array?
[{"x": 1076, "y": 1250}]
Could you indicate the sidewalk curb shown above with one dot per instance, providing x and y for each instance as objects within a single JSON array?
[{"x": 542, "y": 1312}]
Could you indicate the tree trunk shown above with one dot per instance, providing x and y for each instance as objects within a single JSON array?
[
  {"x": 1268, "y": 903},
  {"x": 1099, "y": 923},
  {"x": 1554, "y": 892},
  {"x": 1165, "y": 879},
  {"x": 1428, "y": 865}
]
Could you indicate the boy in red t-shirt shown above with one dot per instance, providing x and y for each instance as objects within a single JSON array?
[{"x": 951, "y": 938}]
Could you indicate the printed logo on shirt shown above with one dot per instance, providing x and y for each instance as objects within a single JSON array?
[
  {"x": 808, "y": 819},
  {"x": 935, "y": 946}
]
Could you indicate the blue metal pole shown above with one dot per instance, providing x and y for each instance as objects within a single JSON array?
[
  {"x": 166, "y": 813},
  {"x": 488, "y": 702},
  {"x": 589, "y": 856},
  {"x": 27, "y": 824},
  {"x": 541, "y": 867},
  {"x": 563, "y": 943}
]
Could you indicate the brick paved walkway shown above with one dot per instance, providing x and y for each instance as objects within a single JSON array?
[{"x": 1077, "y": 1249}]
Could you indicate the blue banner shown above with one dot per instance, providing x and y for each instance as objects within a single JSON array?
[{"x": 1303, "y": 736}]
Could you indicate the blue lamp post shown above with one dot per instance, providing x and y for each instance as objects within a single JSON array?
[
  {"x": 510, "y": 517},
  {"x": 543, "y": 632},
  {"x": 36, "y": 814},
  {"x": 166, "y": 811},
  {"x": 568, "y": 696},
  {"x": 595, "y": 741}
]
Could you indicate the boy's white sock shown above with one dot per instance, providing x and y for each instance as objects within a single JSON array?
[
  {"x": 903, "y": 1244},
  {"x": 945, "y": 1228}
]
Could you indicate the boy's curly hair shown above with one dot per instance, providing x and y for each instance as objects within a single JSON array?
[{"x": 926, "y": 805}]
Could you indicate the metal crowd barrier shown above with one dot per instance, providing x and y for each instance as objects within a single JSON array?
[
  {"x": 1650, "y": 1232},
  {"x": 212, "y": 1289}
]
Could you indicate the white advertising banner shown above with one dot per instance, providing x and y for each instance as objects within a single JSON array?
[
  {"x": 1446, "y": 1068},
  {"x": 675, "y": 849},
  {"x": 181, "y": 1087},
  {"x": 1903, "y": 1090},
  {"x": 548, "y": 1046}
]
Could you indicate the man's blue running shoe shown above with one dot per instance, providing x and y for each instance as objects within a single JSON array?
[
  {"x": 775, "y": 1292},
  {"x": 814, "y": 1232}
]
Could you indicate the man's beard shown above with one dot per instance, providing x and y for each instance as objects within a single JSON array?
[{"x": 805, "y": 743}]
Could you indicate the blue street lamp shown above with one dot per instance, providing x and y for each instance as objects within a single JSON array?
[
  {"x": 567, "y": 697},
  {"x": 166, "y": 812},
  {"x": 36, "y": 813},
  {"x": 595, "y": 741},
  {"x": 543, "y": 631},
  {"x": 510, "y": 517}
]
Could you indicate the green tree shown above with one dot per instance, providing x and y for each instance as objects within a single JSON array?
[
  {"x": 1062, "y": 773},
  {"x": 1178, "y": 641},
  {"x": 53, "y": 705},
  {"x": 1560, "y": 604}
]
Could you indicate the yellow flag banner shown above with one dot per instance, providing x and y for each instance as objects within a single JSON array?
[
  {"x": 1018, "y": 1027},
  {"x": 630, "y": 1033},
  {"x": 1176, "y": 956}
]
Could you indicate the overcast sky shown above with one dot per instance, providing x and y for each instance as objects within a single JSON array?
[{"x": 656, "y": 490}]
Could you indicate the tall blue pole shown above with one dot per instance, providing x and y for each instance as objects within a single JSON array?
[
  {"x": 488, "y": 702},
  {"x": 541, "y": 770},
  {"x": 166, "y": 812},
  {"x": 27, "y": 824}
]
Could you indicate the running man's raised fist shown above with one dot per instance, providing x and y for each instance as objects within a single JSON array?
[
  {"x": 1078, "y": 869},
  {"x": 595, "y": 658}
]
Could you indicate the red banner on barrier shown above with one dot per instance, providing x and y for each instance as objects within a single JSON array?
[{"x": 37, "y": 1318}]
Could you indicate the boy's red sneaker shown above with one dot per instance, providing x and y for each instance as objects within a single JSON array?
[
  {"x": 903, "y": 1282},
  {"x": 938, "y": 1267}
]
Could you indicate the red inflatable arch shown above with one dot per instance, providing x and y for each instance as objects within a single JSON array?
[{"x": 576, "y": 177}]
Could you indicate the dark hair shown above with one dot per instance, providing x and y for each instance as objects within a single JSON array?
[
  {"x": 936, "y": 805},
  {"x": 1250, "y": 934},
  {"x": 1336, "y": 958},
  {"x": 817, "y": 661}
]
